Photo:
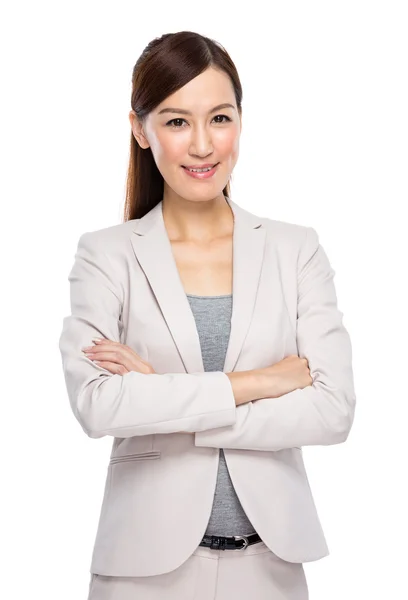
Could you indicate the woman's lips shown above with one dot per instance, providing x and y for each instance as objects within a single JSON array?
[{"x": 203, "y": 175}]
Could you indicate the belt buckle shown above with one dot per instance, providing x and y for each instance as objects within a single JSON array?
[{"x": 242, "y": 537}]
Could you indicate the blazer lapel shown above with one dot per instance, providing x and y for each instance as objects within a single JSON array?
[{"x": 154, "y": 253}]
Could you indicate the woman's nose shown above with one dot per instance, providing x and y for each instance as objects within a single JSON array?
[{"x": 201, "y": 142}]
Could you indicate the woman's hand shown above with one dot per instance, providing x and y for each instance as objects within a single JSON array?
[
  {"x": 116, "y": 357},
  {"x": 289, "y": 374}
]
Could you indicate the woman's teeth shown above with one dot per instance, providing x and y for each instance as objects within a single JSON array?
[{"x": 199, "y": 170}]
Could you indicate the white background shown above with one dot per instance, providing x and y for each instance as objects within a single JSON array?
[{"x": 324, "y": 144}]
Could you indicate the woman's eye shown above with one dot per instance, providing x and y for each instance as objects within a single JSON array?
[
  {"x": 170, "y": 123},
  {"x": 223, "y": 117},
  {"x": 176, "y": 122}
]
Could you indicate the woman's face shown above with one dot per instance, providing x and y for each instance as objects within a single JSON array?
[{"x": 190, "y": 129}]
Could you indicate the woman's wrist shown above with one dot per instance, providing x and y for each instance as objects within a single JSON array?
[{"x": 247, "y": 385}]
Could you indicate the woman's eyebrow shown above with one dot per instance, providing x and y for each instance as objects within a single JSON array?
[{"x": 182, "y": 111}]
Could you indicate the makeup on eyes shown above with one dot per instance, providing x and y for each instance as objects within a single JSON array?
[{"x": 170, "y": 123}]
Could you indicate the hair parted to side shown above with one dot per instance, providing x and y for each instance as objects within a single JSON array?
[{"x": 165, "y": 65}]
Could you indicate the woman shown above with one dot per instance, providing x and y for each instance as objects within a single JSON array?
[{"x": 207, "y": 342}]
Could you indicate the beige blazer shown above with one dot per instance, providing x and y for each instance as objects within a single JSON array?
[{"x": 160, "y": 482}]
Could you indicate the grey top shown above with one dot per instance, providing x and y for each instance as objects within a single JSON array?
[{"x": 213, "y": 320}]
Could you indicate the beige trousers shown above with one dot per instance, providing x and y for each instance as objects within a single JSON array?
[{"x": 255, "y": 573}]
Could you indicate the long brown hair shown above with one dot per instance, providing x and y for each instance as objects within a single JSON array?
[{"x": 165, "y": 65}]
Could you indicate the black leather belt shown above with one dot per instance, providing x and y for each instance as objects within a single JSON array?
[{"x": 234, "y": 542}]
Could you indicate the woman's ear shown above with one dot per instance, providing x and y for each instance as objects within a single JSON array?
[{"x": 138, "y": 131}]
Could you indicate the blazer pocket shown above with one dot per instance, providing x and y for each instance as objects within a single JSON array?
[{"x": 135, "y": 457}]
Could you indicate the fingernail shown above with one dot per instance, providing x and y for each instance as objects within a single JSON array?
[{"x": 96, "y": 340}]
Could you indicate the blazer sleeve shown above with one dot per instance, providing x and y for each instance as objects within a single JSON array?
[
  {"x": 322, "y": 413},
  {"x": 133, "y": 404}
]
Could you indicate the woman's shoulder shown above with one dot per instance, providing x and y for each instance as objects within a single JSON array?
[
  {"x": 113, "y": 237},
  {"x": 286, "y": 233}
]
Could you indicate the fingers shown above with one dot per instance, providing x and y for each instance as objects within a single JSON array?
[
  {"x": 103, "y": 354},
  {"x": 118, "y": 354},
  {"x": 127, "y": 348},
  {"x": 107, "y": 350},
  {"x": 114, "y": 368}
]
